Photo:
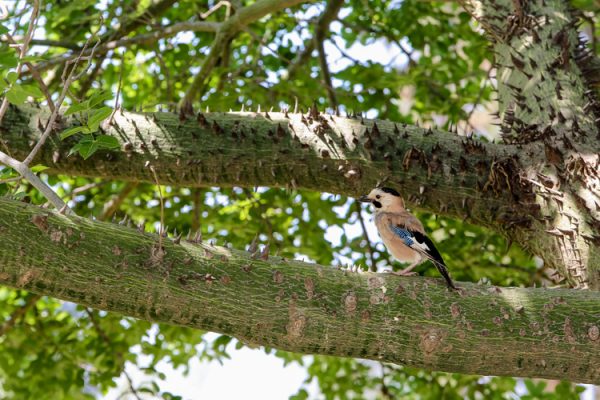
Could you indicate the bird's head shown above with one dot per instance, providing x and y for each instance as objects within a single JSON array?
[{"x": 384, "y": 199}]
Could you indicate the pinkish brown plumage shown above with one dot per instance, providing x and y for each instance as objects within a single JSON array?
[{"x": 402, "y": 233}]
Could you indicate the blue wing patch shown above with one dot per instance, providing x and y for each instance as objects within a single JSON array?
[
  {"x": 422, "y": 244},
  {"x": 404, "y": 234}
]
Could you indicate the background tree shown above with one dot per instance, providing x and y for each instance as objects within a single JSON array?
[{"x": 436, "y": 65}]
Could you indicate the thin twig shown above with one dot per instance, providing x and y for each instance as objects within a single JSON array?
[
  {"x": 9, "y": 180},
  {"x": 117, "y": 105},
  {"x": 56, "y": 43},
  {"x": 85, "y": 188},
  {"x": 214, "y": 8},
  {"x": 35, "y": 74},
  {"x": 36, "y": 182},
  {"x": 24, "y": 48},
  {"x": 162, "y": 207},
  {"x": 30, "y": 300},
  {"x": 147, "y": 38},
  {"x": 366, "y": 237},
  {"x": 111, "y": 206},
  {"x": 70, "y": 78},
  {"x": 197, "y": 211},
  {"x": 227, "y": 30},
  {"x": 107, "y": 340},
  {"x": 321, "y": 32}
]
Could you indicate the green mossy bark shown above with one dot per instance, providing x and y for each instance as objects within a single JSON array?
[
  {"x": 483, "y": 183},
  {"x": 547, "y": 95},
  {"x": 302, "y": 307}
]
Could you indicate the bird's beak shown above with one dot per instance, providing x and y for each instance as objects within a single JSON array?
[{"x": 365, "y": 199}]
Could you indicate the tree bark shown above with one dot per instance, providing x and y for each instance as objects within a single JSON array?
[
  {"x": 546, "y": 94},
  {"x": 302, "y": 307},
  {"x": 484, "y": 183}
]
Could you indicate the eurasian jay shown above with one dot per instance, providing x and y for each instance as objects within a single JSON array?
[{"x": 402, "y": 233}]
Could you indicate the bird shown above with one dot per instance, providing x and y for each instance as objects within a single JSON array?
[{"x": 402, "y": 233}]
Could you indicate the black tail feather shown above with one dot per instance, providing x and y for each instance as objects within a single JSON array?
[{"x": 444, "y": 271}]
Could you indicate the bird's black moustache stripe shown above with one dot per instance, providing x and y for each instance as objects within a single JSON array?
[{"x": 376, "y": 204}]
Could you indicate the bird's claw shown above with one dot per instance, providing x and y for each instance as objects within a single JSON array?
[{"x": 400, "y": 273}]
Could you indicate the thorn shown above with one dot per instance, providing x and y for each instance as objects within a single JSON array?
[
  {"x": 198, "y": 237},
  {"x": 253, "y": 245},
  {"x": 177, "y": 238},
  {"x": 63, "y": 209},
  {"x": 140, "y": 227},
  {"x": 264, "y": 255}
]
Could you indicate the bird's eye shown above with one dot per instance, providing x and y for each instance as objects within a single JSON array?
[{"x": 378, "y": 196}]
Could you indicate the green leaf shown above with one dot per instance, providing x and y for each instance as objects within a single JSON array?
[
  {"x": 84, "y": 105},
  {"x": 87, "y": 149},
  {"x": 19, "y": 195},
  {"x": 71, "y": 131},
  {"x": 8, "y": 58},
  {"x": 16, "y": 95},
  {"x": 32, "y": 90},
  {"x": 3, "y": 29},
  {"x": 107, "y": 142},
  {"x": 97, "y": 116},
  {"x": 99, "y": 98},
  {"x": 39, "y": 168},
  {"x": 12, "y": 76}
]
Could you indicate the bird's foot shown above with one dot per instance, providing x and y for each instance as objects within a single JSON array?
[{"x": 400, "y": 273}]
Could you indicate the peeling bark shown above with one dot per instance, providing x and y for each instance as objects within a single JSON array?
[{"x": 302, "y": 307}]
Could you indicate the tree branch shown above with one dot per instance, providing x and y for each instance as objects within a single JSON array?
[
  {"x": 484, "y": 183},
  {"x": 229, "y": 28},
  {"x": 321, "y": 31},
  {"x": 143, "y": 39},
  {"x": 30, "y": 301},
  {"x": 302, "y": 307},
  {"x": 546, "y": 94}
]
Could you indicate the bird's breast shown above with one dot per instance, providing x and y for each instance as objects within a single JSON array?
[{"x": 394, "y": 243}]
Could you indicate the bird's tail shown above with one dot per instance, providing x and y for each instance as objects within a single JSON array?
[{"x": 444, "y": 271}]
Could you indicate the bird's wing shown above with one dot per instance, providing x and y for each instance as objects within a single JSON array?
[{"x": 419, "y": 242}]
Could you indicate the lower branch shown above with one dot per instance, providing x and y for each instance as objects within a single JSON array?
[{"x": 302, "y": 307}]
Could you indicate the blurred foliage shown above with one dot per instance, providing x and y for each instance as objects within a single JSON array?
[{"x": 425, "y": 55}]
